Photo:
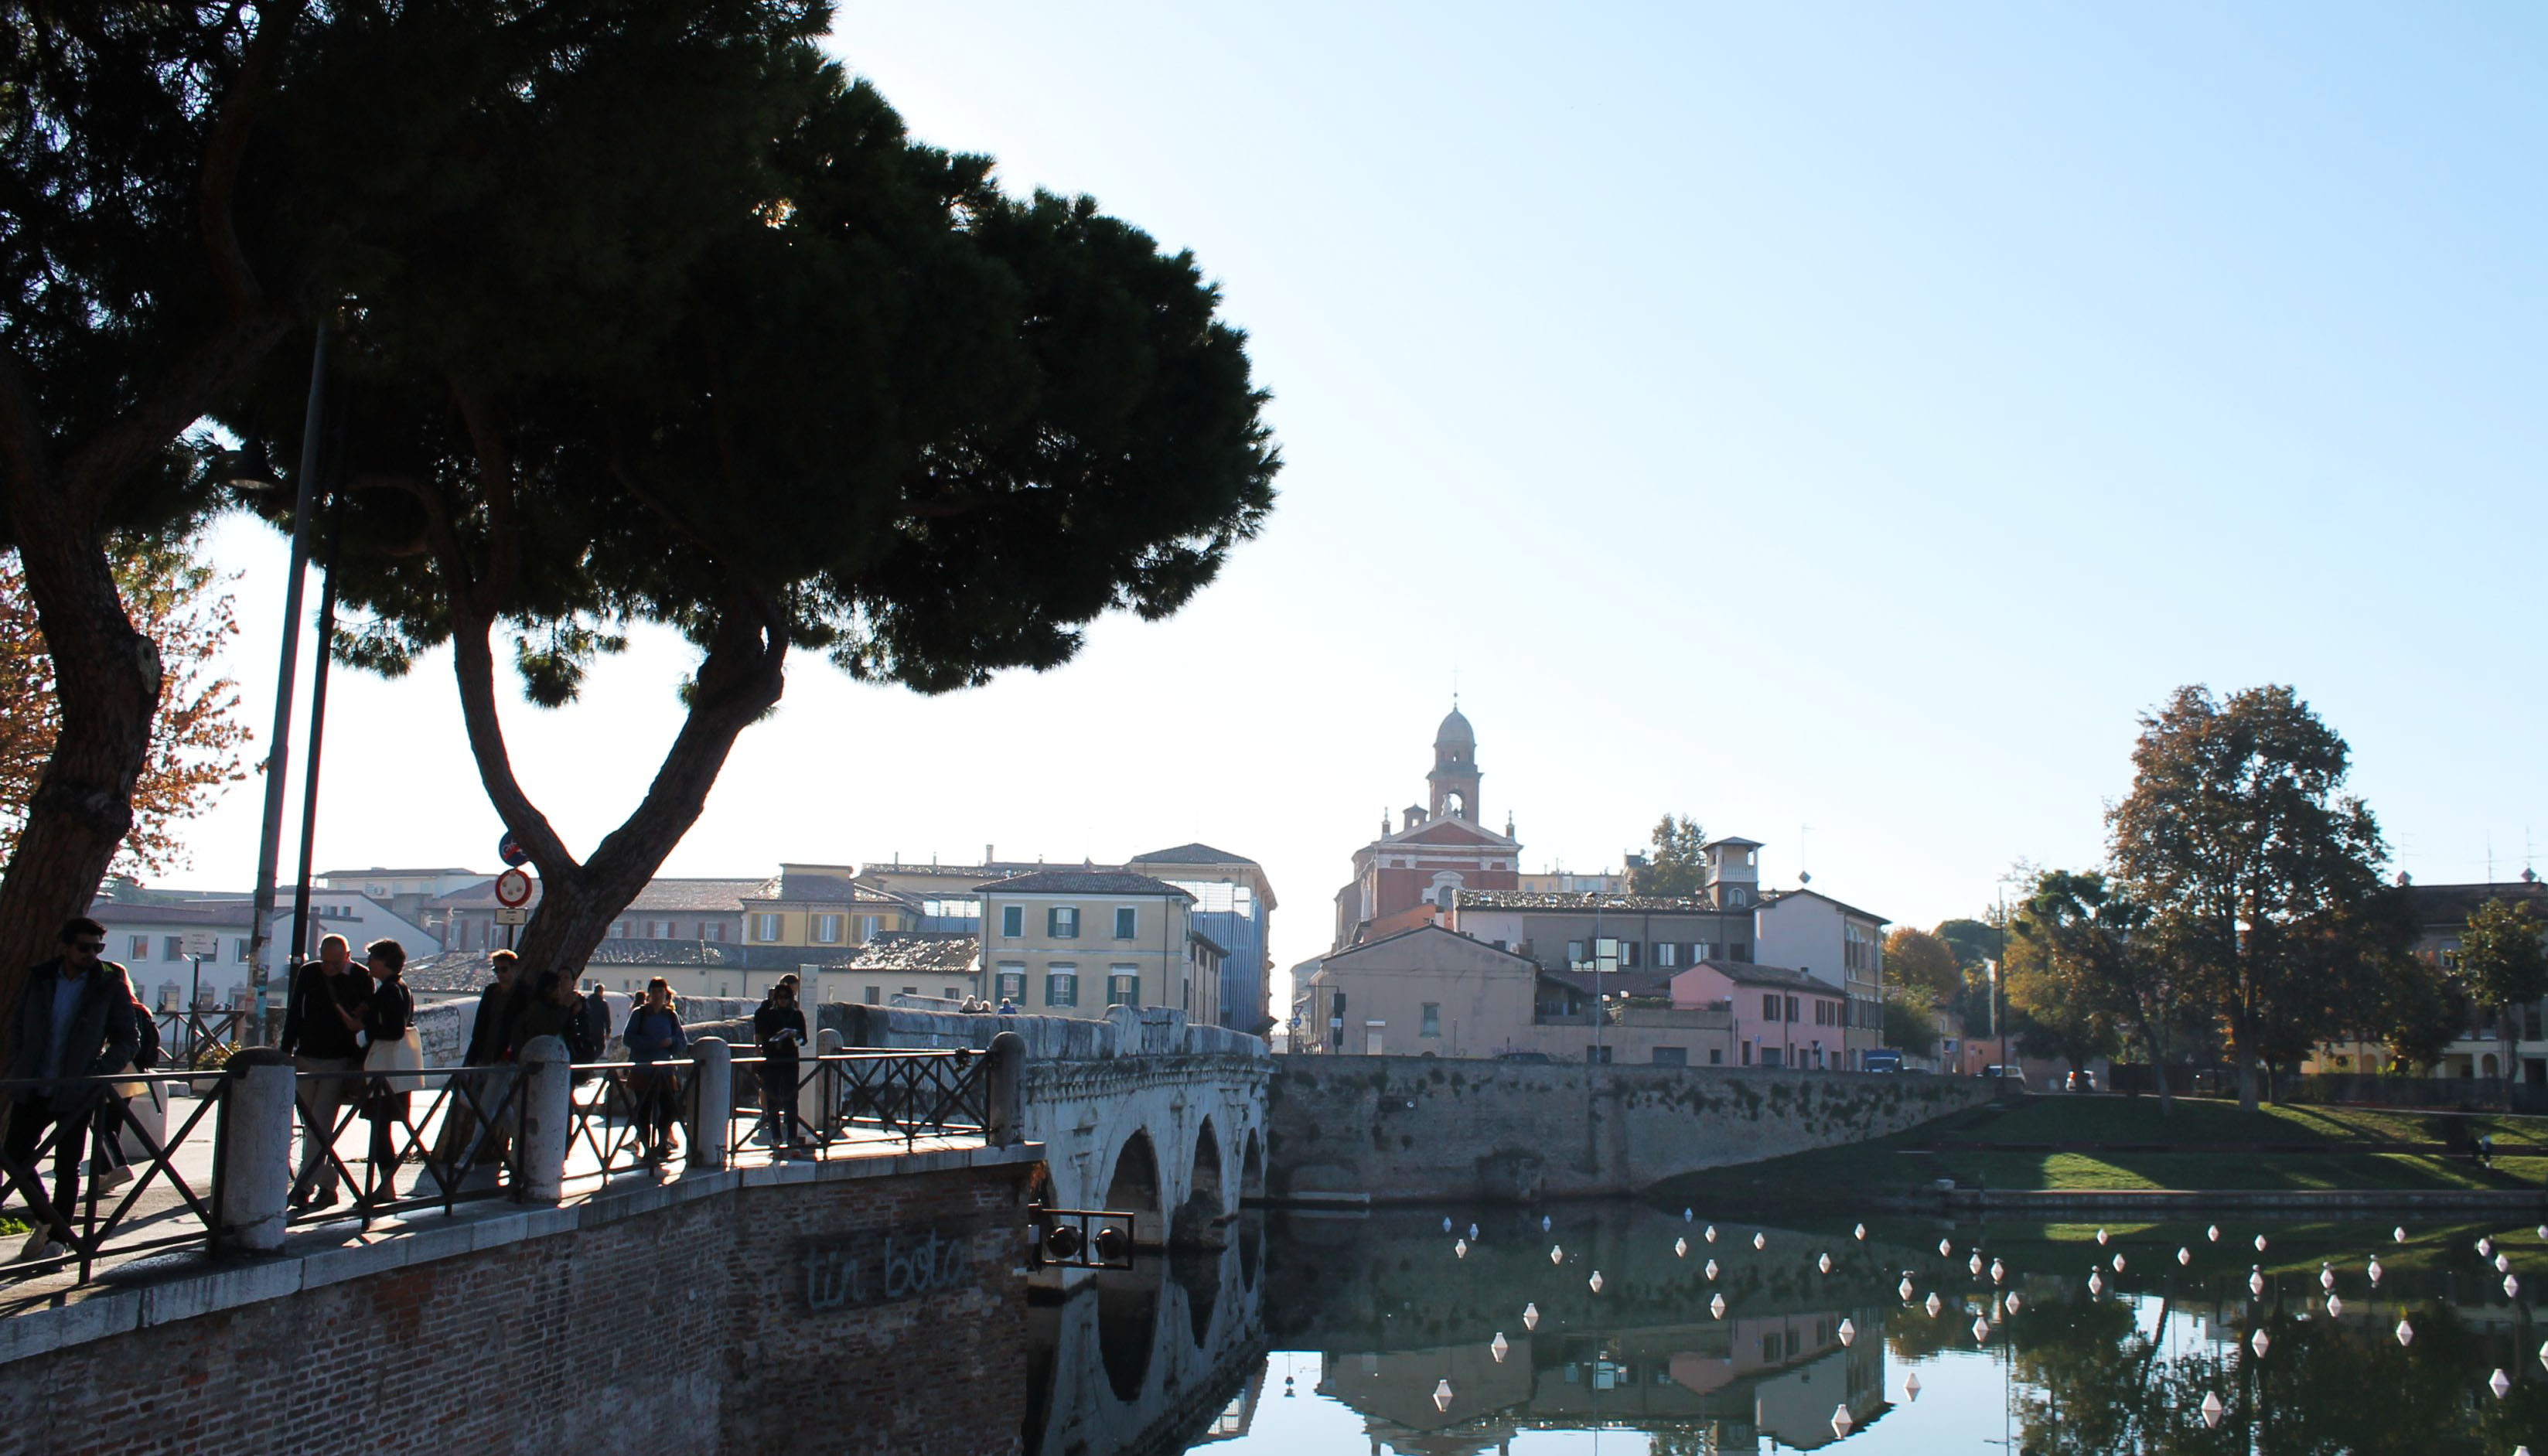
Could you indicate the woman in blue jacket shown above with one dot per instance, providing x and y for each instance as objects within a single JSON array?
[{"x": 655, "y": 1033}]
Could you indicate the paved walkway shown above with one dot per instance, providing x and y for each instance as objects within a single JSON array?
[{"x": 137, "y": 1251}]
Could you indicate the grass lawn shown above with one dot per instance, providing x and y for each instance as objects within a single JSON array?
[{"x": 2206, "y": 1138}]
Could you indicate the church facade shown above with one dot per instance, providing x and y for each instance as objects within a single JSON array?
[{"x": 1413, "y": 875}]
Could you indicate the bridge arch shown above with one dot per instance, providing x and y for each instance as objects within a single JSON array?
[
  {"x": 1136, "y": 1186},
  {"x": 1251, "y": 1169},
  {"x": 1198, "y": 1218}
]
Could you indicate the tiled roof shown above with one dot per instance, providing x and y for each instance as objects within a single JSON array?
[
  {"x": 2453, "y": 904},
  {"x": 1586, "y": 900},
  {"x": 239, "y": 913},
  {"x": 821, "y": 889},
  {"x": 396, "y": 873},
  {"x": 916, "y": 951},
  {"x": 1084, "y": 882},
  {"x": 1197, "y": 854},
  {"x": 478, "y": 897},
  {"x": 1771, "y": 897},
  {"x": 706, "y": 895},
  {"x": 1745, "y": 973}
]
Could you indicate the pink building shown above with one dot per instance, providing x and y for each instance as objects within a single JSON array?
[{"x": 1781, "y": 1017}]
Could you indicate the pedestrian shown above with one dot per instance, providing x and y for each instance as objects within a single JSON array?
[
  {"x": 552, "y": 1009},
  {"x": 596, "y": 1026},
  {"x": 779, "y": 1026},
  {"x": 1008, "y": 1007},
  {"x": 75, "y": 1020},
  {"x": 488, "y": 1031},
  {"x": 109, "y": 1167},
  {"x": 322, "y": 1023},
  {"x": 653, "y": 1032},
  {"x": 477, "y": 1096},
  {"x": 390, "y": 1050}
]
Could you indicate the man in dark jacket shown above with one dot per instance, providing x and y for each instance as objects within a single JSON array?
[
  {"x": 597, "y": 1021},
  {"x": 779, "y": 1026},
  {"x": 492, "y": 1031},
  {"x": 319, "y": 1026},
  {"x": 75, "y": 1019}
]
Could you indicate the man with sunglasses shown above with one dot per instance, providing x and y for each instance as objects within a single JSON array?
[{"x": 75, "y": 1019}]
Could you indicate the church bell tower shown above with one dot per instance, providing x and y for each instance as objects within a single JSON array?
[{"x": 1455, "y": 769}]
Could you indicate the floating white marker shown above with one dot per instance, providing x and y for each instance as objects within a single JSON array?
[
  {"x": 1499, "y": 1347},
  {"x": 1711, "y": 1271},
  {"x": 1717, "y": 1306},
  {"x": 2485, "y": 1246},
  {"x": 1982, "y": 1329},
  {"x": 1760, "y": 1240},
  {"x": 1684, "y": 1216},
  {"x": 2543, "y": 1354},
  {"x": 2261, "y": 1343},
  {"x": 1861, "y": 1233},
  {"x": 2260, "y": 1244},
  {"x": 1944, "y": 1248},
  {"x": 1556, "y": 1254},
  {"x": 1461, "y": 1249},
  {"x": 2399, "y": 1234},
  {"x": 1823, "y": 1263},
  {"x": 2503, "y": 1263},
  {"x": 1442, "y": 1395},
  {"x": 1472, "y": 1233},
  {"x": 2012, "y": 1302},
  {"x": 2405, "y": 1332},
  {"x": 2256, "y": 1283},
  {"x": 1911, "y": 1384},
  {"x": 2212, "y": 1409},
  {"x": 2327, "y": 1277},
  {"x": 1712, "y": 1233},
  {"x": 2119, "y": 1263},
  {"x": 2512, "y": 1286},
  {"x": 1446, "y": 1224},
  {"x": 1973, "y": 1265},
  {"x": 1543, "y": 1224},
  {"x": 1848, "y": 1336},
  {"x": 1841, "y": 1424},
  {"x": 1595, "y": 1281},
  {"x": 2184, "y": 1256},
  {"x": 2543, "y": 1231},
  {"x": 1530, "y": 1317},
  {"x": 1999, "y": 1272},
  {"x": 2101, "y": 1238},
  {"x": 2502, "y": 1385},
  {"x": 1905, "y": 1287},
  {"x": 2374, "y": 1271},
  {"x": 2096, "y": 1282},
  {"x": 2334, "y": 1308},
  {"x": 2213, "y": 1233},
  {"x": 1935, "y": 1303},
  {"x": 1681, "y": 1248}
]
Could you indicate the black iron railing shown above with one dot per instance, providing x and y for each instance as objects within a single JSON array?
[
  {"x": 187, "y": 1037},
  {"x": 466, "y": 1135},
  {"x": 89, "y": 1123}
]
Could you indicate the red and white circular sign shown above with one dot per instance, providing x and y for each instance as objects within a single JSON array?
[{"x": 512, "y": 889}]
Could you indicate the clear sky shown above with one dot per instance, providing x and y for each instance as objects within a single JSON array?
[{"x": 1844, "y": 416}]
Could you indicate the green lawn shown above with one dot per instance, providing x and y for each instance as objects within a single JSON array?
[{"x": 2061, "y": 1118}]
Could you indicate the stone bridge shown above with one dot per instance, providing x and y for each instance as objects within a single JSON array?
[
  {"x": 1155, "y": 1359},
  {"x": 1140, "y": 1112}
]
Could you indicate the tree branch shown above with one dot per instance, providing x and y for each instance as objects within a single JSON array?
[{"x": 222, "y": 154}]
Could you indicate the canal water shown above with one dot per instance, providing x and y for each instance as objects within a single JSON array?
[{"x": 1351, "y": 1335}]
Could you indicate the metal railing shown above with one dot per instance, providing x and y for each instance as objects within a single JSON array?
[
  {"x": 89, "y": 1121},
  {"x": 472, "y": 1125},
  {"x": 186, "y": 1036}
]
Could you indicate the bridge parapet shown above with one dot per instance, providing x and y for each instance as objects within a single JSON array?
[{"x": 1126, "y": 1031}]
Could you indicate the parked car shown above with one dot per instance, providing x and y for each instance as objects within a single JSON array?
[
  {"x": 2080, "y": 1081},
  {"x": 2006, "y": 1076},
  {"x": 1884, "y": 1059}
]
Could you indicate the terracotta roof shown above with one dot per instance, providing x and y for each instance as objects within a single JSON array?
[
  {"x": 1196, "y": 854},
  {"x": 822, "y": 889},
  {"x": 239, "y": 913},
  {"x": 1745, "y": 973},
  {"x": 911, "y": 950},
  {"x": 1084, "y": 882},
  {"x": 694, "y": 894}
]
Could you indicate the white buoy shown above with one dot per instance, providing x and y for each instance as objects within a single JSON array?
[
  {"x": 1848, "y": 1336},
  {"x": 1982, "y": 1329},
  {"x": 2256, "y": 1283},
  {"x": 2184, "y": 1256},
  {"x": 2213, "y": 1233},
  {"x": 2512, "y": 1286},
  {"x": 1530, "y": 1317},
  {"x": 1712, "y": 1233},
  {"x": 2543, "y": 1354},
  {"x": 1973, "y": 1265},
  {"x": 1711, "y": 1271},
  {"x": 2096, "y": 1282},
  {"x": 2212, "y": 1409},
  {"x": 2374, "y": 1271},
  {"x": 1861, "y": 1233},
  {"x": 2119, "y": 1263},
  {"x": 1760, "y": 1240},
  {"x": 1461, "y": 1249},
  {"x": 2260, "y": 1244},
  {"x": 1905, "y": 1287},
  {"x": 1944, "y": 1248},
  {"x": 1935, "y": 1303},
  {"x": 1595, "y": 1281},
  {"x": 1556, "y": 1254},
  {"x": 1823, "y": 1263},
  {"x": 1911, "y": 1384},
  {"x": 2334, "y": 1306},
  {"x": 2261, "y": 1343},
  {"x": 2327, "y": 1277},
  {"x": 1681, "y": 1248},
  {"x": 2399, "y": 1234},
  {"x": 2012, "y": 1302},
  {"x": 1717, "y": 1306},
  {"x": 1499, "y": 1347},
  {"x": 1999, "y": 1272},
  {"x": 1841, "y": 1424},
  {"x": 2502, "y": 1385},
  {"x": 2101, "y": 1238},
  {"x": 1442, "y": 1395},
  {"x": 2405, "y": 1332}
]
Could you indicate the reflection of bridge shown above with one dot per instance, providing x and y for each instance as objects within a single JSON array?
[
  {"x": 1139, "y": 1111},
  {"x": 1159, "y": 1358}
]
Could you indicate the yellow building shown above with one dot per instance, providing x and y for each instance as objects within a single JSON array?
[
  {"x": 1075, "y": 941},
  {"x": 822, "y": 908}
]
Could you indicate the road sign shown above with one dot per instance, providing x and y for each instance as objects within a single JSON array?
[
  {"x": 513, "y": 915},
  {"x": 512, "y": 889},
  {"x": 203, "y": 943},
  {"x": 510, "y": 851}
]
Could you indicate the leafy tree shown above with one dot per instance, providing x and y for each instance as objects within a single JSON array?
[
  {"x": 1674, "y": 865},
  {"x": 878, "y": 409},
  {"x": 187, "y": 188},
  {"x": 2416, "y": 1013},
  {"x": 2503, "y": 966},
  {"x": 2084, "y": 953},
  {"x": 1916, "y": 958},
  {"x": 193, "y": 740},
  {"x": 1910, "y": 1022},
  {"x": 1974, "y": 941},
  {"x": 2238, "y": 838}
]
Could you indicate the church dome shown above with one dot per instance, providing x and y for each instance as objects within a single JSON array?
[{"x": 1455, "y": 732}]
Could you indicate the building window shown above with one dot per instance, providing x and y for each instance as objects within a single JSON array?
[
  {"x": 876, "y": 995},
  {"x": 1791, "y": 1008},
  {"x": 1123, "y": 987},
  {"x": 1061, "y": 986},
  {"x": 1671, "y": 1056},
  {"x": 827, "y": 930},
  {"x": 1597, "y": 1056},
  {"x": 765, "y": 927},
  {"x": 869, "y": 925},
  {"x": 239, "y": 950},
  {"x": 139, "y": 949},
  {"x": 1061, "y": 921},
  {"x": 1013, "y": 919},
  {"x": 712, "y": 930},
  {"x": 1433, "y": 1019},
  {"x": 1768, "y": 1008},
  {"x": 1667, "y": 954},
  {"x": 1013, "y": 982},
  {"x": 1575, "y": 952},
  {"x": 1630, "y": 953},
  {"x": 952, "y": 993},
  {"x": 1716, "y": 1057},
  {"x": 1128, "y": 921},
  {"x": 172, "y": 947}
]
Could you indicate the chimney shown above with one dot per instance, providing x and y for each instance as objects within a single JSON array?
[{"x": 987, "y": 855}]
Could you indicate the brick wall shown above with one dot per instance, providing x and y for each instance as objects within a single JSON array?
[
  {"x": 1412, "y": 1129},
  {"x": 687, "y": 1325}
]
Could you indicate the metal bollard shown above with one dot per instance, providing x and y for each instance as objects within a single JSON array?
[
  {"x": 547, "y": 1095},
  {"x": 253, "y": 1155},
  {"x": 712, "y": 1106},
  {"x": 1004, "y": 1110}
]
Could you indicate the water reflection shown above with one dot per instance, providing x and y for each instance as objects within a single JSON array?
[
  {"x": 1403, "y": 1330},
  {"x": 1158, "y": 1358}
]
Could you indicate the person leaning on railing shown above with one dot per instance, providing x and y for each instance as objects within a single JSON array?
[
  {"x": 75, "y": 1020},
  {"x": 323, "y": 1024},
  {"x": 779, "y": 1027},
  {"x": 653, "y": 1032}
]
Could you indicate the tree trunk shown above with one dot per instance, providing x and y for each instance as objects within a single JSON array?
[
  {"x": 2242, "y": 1037},
  {"x": 2158, "y": 1066},
  {"x": 2507, "y": 1033},
  {"x": 107, "y": 679}
]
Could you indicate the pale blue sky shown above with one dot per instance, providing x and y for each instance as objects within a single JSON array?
[{"x": 1799, "y": 414}]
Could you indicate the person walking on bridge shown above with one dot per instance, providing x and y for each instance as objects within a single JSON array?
[
  {"x": 779, "y": 1028},
  {"x": 653, "y": 1034},
  {"x": 321, "y": 1026},
  {"x": 75, "y": 1019}
]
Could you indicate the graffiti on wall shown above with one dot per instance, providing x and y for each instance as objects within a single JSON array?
[{"x": 856, "y": 1272}]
